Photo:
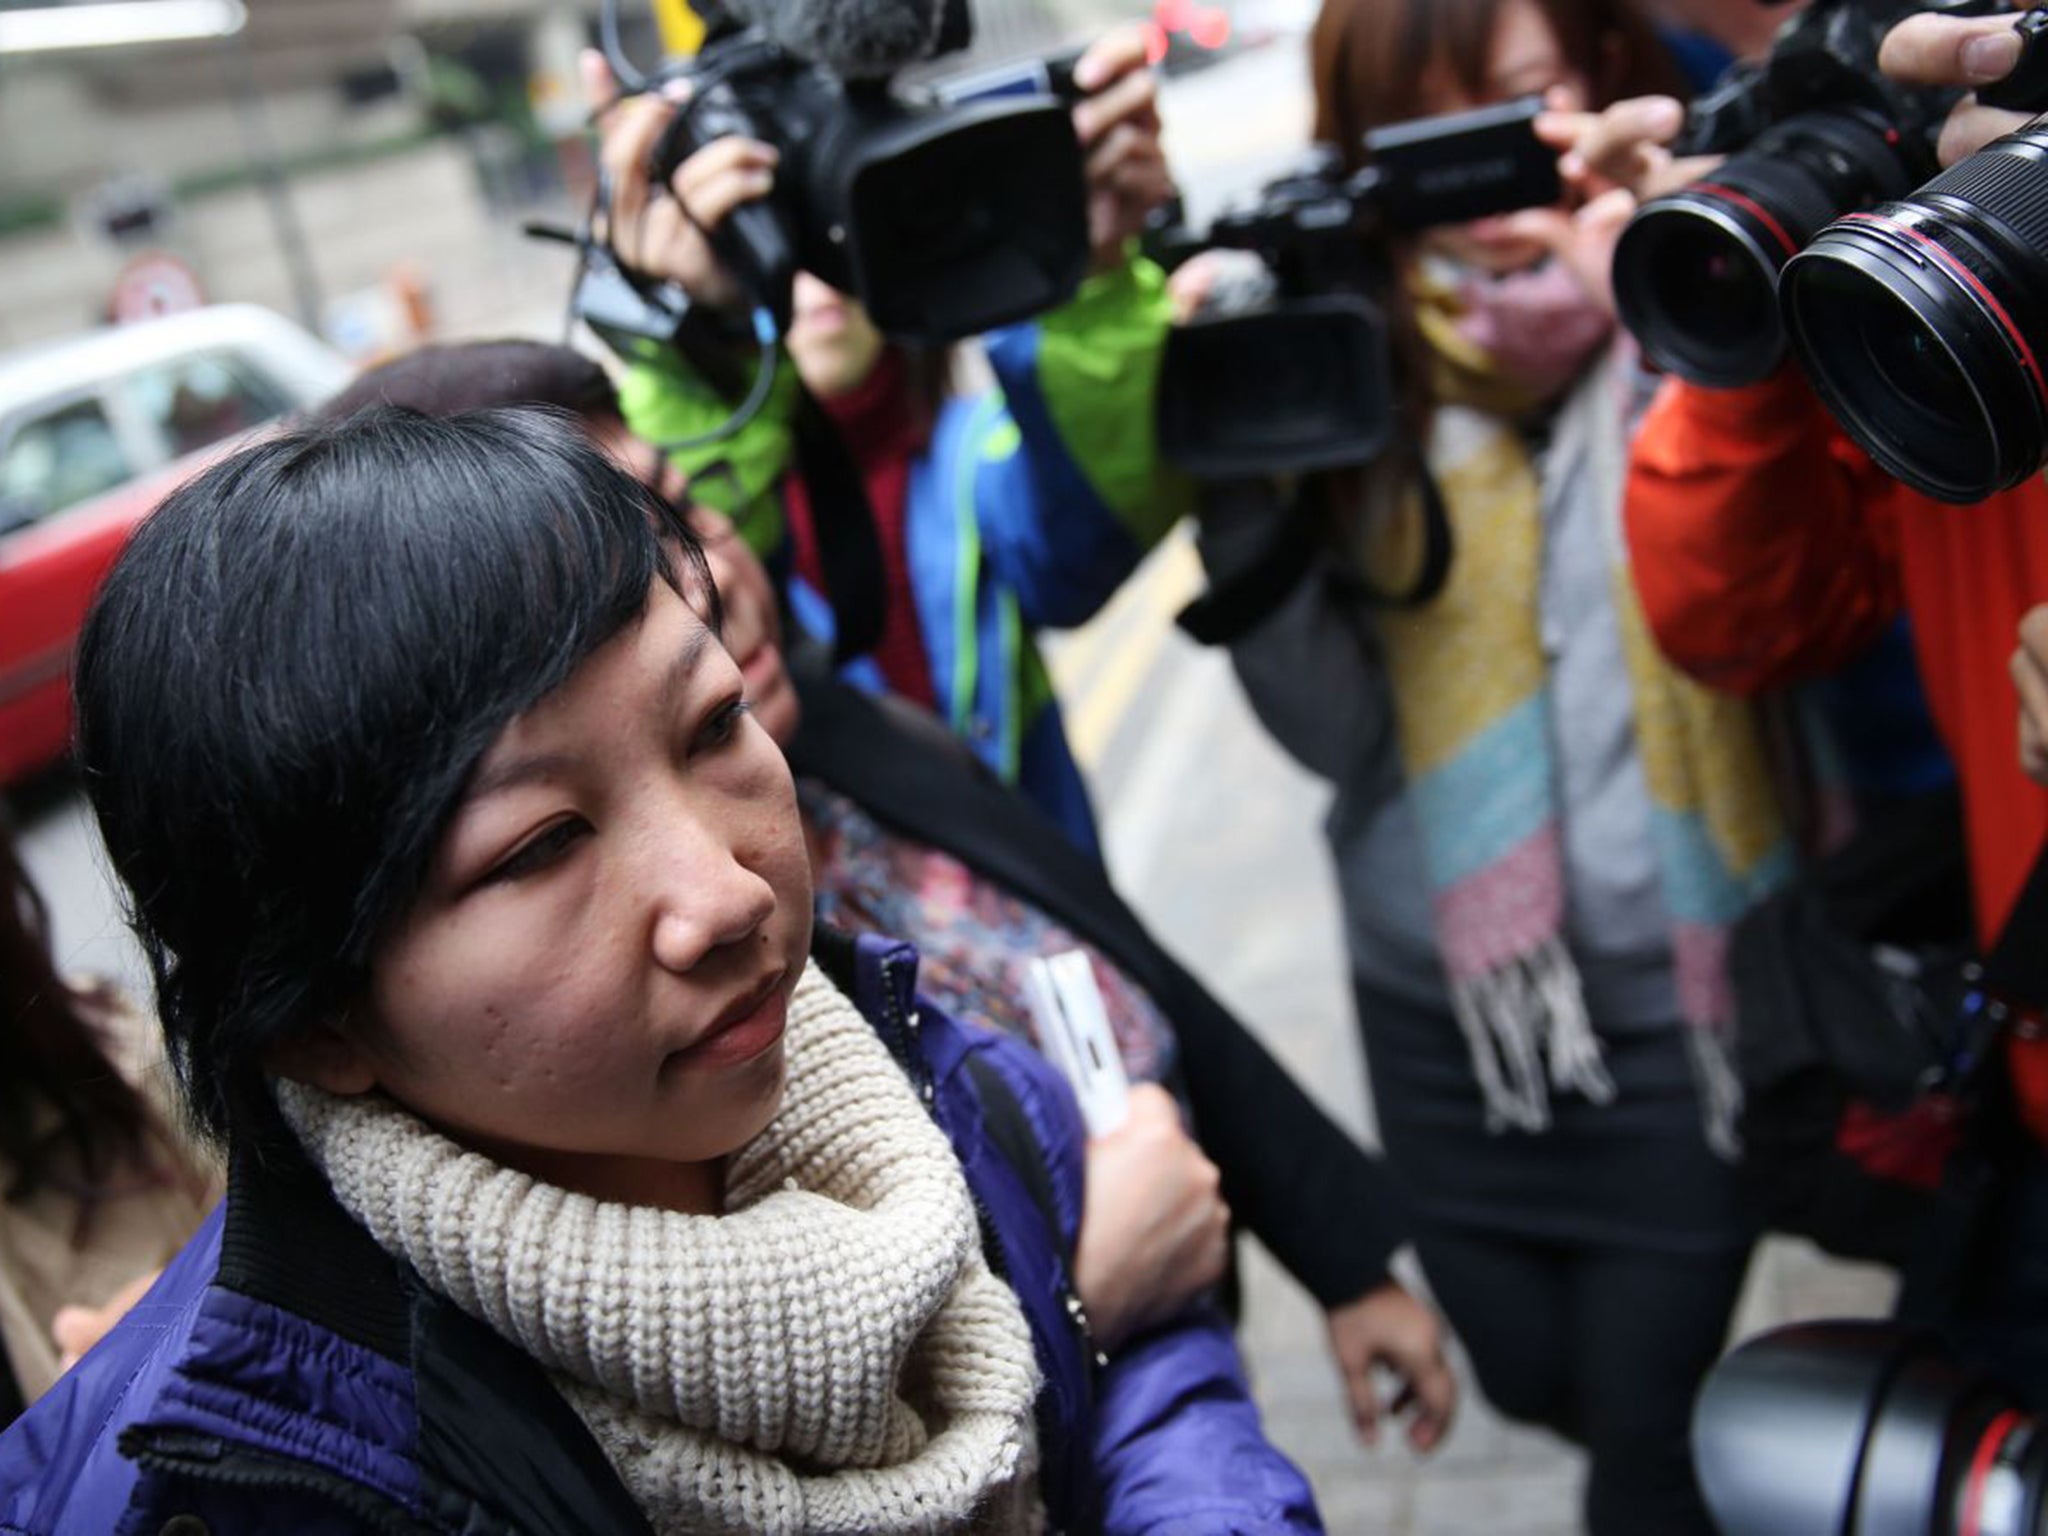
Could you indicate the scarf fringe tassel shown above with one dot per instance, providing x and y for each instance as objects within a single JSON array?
[{"x": 1526, "y": 1025}]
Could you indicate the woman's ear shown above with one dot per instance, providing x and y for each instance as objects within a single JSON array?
[{"x": 325, "y": 1058}]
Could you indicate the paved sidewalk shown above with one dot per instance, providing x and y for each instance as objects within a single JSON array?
[{"x": 1216, "y": 838}]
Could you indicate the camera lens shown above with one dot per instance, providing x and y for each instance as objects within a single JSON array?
[
  {"x": 1921, "y": 324},
  {"x": 1864, "y": 1429},
  {"x": 1696, "y": 272}
]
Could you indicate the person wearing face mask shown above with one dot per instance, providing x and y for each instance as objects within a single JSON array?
[
  {"x": 910, "y": 836},
  {"x": 1541, "y": 832},
  {"x": 577, "y": 1184},
  {"x": 998, "y": 512}
]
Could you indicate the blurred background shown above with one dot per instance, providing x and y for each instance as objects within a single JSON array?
[{"x": 363, "y": 166}]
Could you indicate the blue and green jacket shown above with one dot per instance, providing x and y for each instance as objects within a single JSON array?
[{"x": 1027, "y": 508}]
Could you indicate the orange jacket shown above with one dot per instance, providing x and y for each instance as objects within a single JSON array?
[{"x": 1769, "y": 549}]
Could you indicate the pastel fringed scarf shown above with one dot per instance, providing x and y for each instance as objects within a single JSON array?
[{"x": 1470, "y": 679}]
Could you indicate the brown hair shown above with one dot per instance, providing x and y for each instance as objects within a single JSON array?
[
  {"x": 1370, "y": 60},
  {"x": 65, "y": 1112}
]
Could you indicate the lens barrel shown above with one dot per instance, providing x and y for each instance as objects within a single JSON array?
[
  {"x": 1696, "y": 271},
  {"x": 1864, "y": 1429},
  {"x": 1923, "y": 323}
]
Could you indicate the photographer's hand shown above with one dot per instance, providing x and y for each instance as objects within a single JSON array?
[
  {"x": 1582, "y": 240},
  {"x": 1626, "y": 145},
  {"x": 1388, "y": 1327},
  {"x": 1950, "y": 50},
  {"x": 1154, "y": 1232},
  {"x": 663, "y": 231},
  {"x": 2030, "y": 677},
  {"x": 1117, "y": 123}
]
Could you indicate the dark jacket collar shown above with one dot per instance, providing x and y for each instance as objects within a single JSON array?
[{"x": 496, "y": 1442}]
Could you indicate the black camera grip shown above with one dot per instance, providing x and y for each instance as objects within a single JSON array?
[
  {"x": 753, "y": 240},
  {"x": 2025, "y": 89}
]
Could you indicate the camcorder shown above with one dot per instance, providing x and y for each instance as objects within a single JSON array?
[
  {"x": 1919, "y": 314},
  {"x": 1301, "y": 377},
  {"x": 945, "y": 214},
  {"x": 1865, "y": 1429}
]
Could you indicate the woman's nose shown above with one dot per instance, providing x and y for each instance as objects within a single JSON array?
[{"x": 704, "y": 902}]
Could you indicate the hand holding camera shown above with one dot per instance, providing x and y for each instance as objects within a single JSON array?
[
  {"x": 662, "y": 231},
  {"x": 1958, "y": 51}
]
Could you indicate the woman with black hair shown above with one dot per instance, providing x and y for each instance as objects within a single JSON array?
[
  {"x": 575, "y": 1185},
  {"x": 96, "y": 1191},
  {"x": 909, "y": 835}
]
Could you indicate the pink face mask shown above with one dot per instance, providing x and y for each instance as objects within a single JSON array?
[{"x": 1539, "y": 325}]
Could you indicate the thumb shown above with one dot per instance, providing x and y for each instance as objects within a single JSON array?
[
  {"x": 600, "y": 86},
  {"x": 1944, "y": 50},
  {"x": 73, "y": 1330},
  {"x": 1608, "y": 212}
]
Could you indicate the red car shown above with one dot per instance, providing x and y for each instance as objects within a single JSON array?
[{"x": 94, "y": 431}]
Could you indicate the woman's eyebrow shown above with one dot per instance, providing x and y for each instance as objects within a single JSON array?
[
  {"x": 684, "y": 667},
  {"x": 512, "y": 772},
  {"x": 536, "y": 767}
]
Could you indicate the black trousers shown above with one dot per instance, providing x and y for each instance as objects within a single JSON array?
[{"x": 1606, "y": 1346}]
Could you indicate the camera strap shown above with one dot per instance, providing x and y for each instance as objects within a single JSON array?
[
  {"x": 1240, "y": 603},
  {"x": 849, "y": 549},
  {"x": 1438, "y": 547}
]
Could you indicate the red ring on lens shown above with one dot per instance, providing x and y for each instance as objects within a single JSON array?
[
  {"x": 1754, "y": 209},
  {"x": 1995, "y": 1433},
  {"x": 1969, "y": 280}
]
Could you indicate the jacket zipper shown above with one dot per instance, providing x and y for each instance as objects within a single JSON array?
[
  {"x": 211, "y": 1459},
  {"x": 903, "y": 1025}
]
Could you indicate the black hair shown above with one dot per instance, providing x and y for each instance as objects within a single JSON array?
[
  {"x": 469, "y": 376},
  {"x": 290, "y": 674}
]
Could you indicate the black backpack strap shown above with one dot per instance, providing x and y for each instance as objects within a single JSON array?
[
  {"x": 11, "y": 1403},
  {"x": 1008, "y": 1127}
]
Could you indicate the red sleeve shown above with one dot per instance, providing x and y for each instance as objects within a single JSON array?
[{"x": 1759, "y": 536}]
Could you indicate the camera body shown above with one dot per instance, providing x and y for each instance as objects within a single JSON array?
[
  {"x": 943, "y": 219},
  {"x": 1812, "y": 132},
  {"x": 1301, "y": 379}
]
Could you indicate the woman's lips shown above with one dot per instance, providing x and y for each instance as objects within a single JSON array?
[{"x": 741, "y": 1038}]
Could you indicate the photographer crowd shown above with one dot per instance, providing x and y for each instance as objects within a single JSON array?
[{"x": 630, "y": 931}]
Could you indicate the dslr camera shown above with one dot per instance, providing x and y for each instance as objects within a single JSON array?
[
  {"x": 1865, "y": 1429},
  {"x": 945, "y": 217},
  {"x": 1917, "y": 315},
  {"x": 1301, "y": 378}
]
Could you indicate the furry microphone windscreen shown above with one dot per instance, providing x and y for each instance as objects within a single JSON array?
[{"x": 855, "y": 39}]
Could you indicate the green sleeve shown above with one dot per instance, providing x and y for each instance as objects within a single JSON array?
[
  {"x": 1099, "y": 356},
  {"x": 740, "y": 475}
]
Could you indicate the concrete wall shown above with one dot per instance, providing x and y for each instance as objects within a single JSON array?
[{"x": 425, "y": 206}]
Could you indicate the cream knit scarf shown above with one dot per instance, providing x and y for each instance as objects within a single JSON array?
[{"x": 832, "y": 1354}]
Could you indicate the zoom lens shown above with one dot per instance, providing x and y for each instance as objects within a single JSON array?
[
  {"x": 1696, "y": 271},
  {"x": 1864, "y": 1429},
  {"x": 1922, "y": 324}
]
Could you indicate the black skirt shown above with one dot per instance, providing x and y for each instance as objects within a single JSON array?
[{"x": 1635, "y": 1173}]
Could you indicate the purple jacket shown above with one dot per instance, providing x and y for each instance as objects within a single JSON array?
[{"x": 287, "y": 1374}]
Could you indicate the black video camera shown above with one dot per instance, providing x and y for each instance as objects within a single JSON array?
[
  {"x": 1302, "y": 379},
  {"x": 944, "y": 219}
]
